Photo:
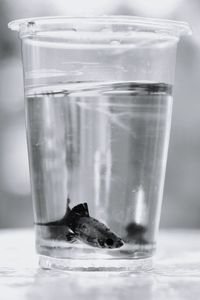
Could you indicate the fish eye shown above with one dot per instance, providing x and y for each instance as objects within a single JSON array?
[{"x": 109, "y": 242}]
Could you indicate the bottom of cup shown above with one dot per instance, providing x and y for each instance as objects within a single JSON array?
[{"x": 119, "y": 265}]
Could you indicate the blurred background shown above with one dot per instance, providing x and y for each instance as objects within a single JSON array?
[{"x": 181, "y": 203}]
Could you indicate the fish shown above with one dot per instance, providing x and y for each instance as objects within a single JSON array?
[{"x": 79, "y": 225}]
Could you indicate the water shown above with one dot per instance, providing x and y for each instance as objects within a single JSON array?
[{"x": 106, "y": 145}]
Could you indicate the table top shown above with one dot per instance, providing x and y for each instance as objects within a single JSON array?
[{"x": 176, "y": 274}]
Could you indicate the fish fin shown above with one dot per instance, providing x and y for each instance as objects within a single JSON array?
[
  {"x": 90, "y": 240},
  {"x": 81, "y": 209},
  {"x": 70, "y": 236}
]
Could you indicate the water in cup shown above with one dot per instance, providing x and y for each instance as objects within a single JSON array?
[{"x": 98, "y": 152}]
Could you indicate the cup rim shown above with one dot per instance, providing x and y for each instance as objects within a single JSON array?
[{"x": 134, "y": 23}]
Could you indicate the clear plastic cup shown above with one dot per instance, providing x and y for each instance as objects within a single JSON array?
[{"x": 98, "y": 102}]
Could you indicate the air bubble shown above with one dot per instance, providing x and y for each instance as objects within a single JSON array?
[{"x": 115, "y": 43}]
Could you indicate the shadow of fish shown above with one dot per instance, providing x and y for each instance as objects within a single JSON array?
[
  {"x": 78, "y": 225},
  {"x": 135, "y": 233}
]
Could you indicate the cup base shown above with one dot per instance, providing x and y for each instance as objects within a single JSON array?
[{"x": 99, "y": 265}]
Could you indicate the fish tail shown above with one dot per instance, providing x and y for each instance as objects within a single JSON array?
[
  {"x": 53, "y": 223},
  {"x": 40, "y": 224}
]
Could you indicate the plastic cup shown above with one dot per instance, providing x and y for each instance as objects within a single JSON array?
[{"x": 98, "y": 103}]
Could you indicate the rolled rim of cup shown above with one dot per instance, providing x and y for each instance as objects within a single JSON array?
[{"x": 107, "y": 25}]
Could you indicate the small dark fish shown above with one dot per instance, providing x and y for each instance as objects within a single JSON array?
[
  {"x": 135, "y": 233},
  {"x": 80, "y": 226}
]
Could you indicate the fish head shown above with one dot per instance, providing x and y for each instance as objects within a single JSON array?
[
  {"x": 109, "y": 240},
  {"x": 96, "y": 234}
]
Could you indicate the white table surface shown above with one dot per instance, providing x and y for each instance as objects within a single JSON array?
[{"x": 176, "y": 274}]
